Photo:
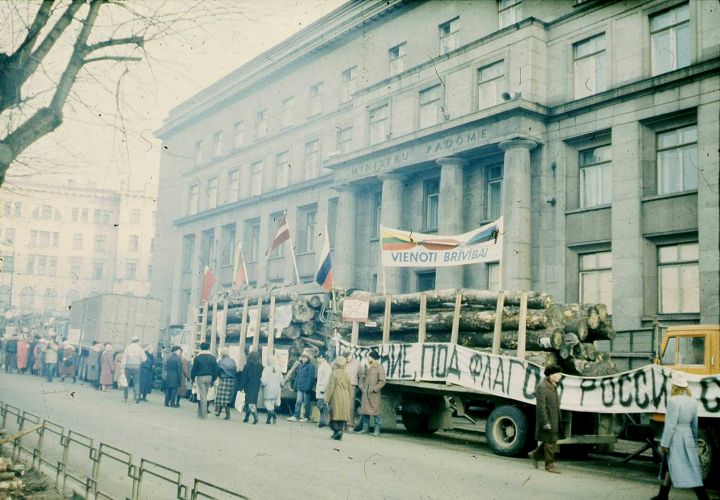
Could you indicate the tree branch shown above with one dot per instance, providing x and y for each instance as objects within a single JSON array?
[
  {"x": 111, "y": 58},
  {"x": 41, "y": 19},
  {"x": 131, "y": 40}
]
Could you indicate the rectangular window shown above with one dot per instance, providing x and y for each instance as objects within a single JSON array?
[
  {"x": 376, "y": 215},
  {"x": 256, "y": 178},
  {"x": 193, "y": 199},
  {"x": 10, "y": 235},
  {"x": 349, "y": 77},
  {"x": 233, "y": 185},
  {"x": 307, "y": 229},
  {"x": 44, "y": 238},
  {"x": 287, "y": 112},
  {"x": 7, "y": 209},
  {"x": 8, "y": 264},
  {"x": 679, "y": 278},
  {"x": 106, "y": 217},
  {"x": 261, "y": 125},
  {"x": 431, "y": 199},
  {"x": 135, "y": 216},
  {"x": 188, "y": 250},
  {"x": 379, "y": 124},
  {"x": 100, "y": 243},
  {"x": 595, "y": 177},
  {"x": 670, "y": 39},
  {"x": 493, "y": 191},
  {"x": 198, "y": 152},
  {"x": 239, "y": 139},
  {"x": 596, "y": 279},
  {"x": 251, "y": 249},
  {"x": 493, "y": 276},
  {"x": 98, "y": 270},
  {"x": 42, "y": 265},
  {"x": 430, "y": 106},
  {"x": 133, "y": 243},
  {"x": 97, "y": 216},
  {"x": 77, "y": 241},
  {"x": 227, "y": 245},
  {"x": 589, "y": 66},
  {"x": 282, "y": 169},
  {"x": 75, "y": 267},
  {"x": 344, "y": 140},
  {"x": 426, "y": 281},
  {"x": 30, "y": 267},
  {"x": 677, "y": 160},
  {"x": 207, "y": 248},
  {"x": 449, "y": 35},
  {"x": 217, "y": 143},
  {"x": 316, "y": 99},
  {"x": 131, "y": 270},
  {"x": 84, "y": 214},
  {"x": 212, "y": 193},
  {"x": 509, "y": 12},
  {"x": 75, "y": 214},
  {"x": 491, "y": 83},
  {"x": 18, "y": 209},
  {"x": 397, "y": 58},
  {"x": 311, "y": 162}
]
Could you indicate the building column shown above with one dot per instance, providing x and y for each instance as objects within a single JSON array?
[
  {"x": 391, "y": 216},
  {"x": 516, "y": 214},
  {"x": 345, "y": 237},
  {"x": 450, "y": 215}
]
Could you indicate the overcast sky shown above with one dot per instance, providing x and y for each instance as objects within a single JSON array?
[{"x": 91, "y": 145}]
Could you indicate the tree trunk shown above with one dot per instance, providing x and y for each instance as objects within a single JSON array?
[
  {"x": 604, "y": 332},
  {"x": 542, "y": 358},
  {"x": 578, "y": 326},
  {"x": 301, "y": 312}
]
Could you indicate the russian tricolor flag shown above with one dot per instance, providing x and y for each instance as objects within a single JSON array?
[{"x": 324, "y": 275}]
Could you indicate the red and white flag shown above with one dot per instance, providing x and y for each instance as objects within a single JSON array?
[
  {"x": 240, "y": 276},
  {"x": 207, "y": 284},
  {"x": 282, "y": 235}
]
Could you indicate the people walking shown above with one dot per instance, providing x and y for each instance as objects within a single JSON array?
[
  {"x": 547, "y": 419},
  {"x": 337, "y": 397},
  {"x": 51, "y": 357},
  {"x": 251, "y": 377},
  {"x": 354, "y": 370},
  {"x": 147, "y": 373},
  {"x": 67, "y": 367},
  {"x": 372, "y": 383},
  {"x": 133, "y": 357},
  {"x": 173, "y": 376},
  {"x": 678, "y": 441},
  {"x": 226, "y": 370},
  {"x": 304, "y": 385},
  {"x": 323, "y": 378},
  {"x": 272, "y": 381},
  {"x": 203, "y": 374},
  {"x": 107, "y": 368}
]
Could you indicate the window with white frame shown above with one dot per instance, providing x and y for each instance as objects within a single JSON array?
[
  {"x": 344, "y": 140},
  {"x": 30, "y": 265},
  {"x": 193, "y": 199},
  {"x": 100, "y": 242},
  {"x": 679, "y": 278},
  {"x": 431, "y": 198},
  {"x": 670, "y": 39},
  {"x": 261, "y": 125},
  {"x": 595, "y": 176},
  {"x": 491, "y": 83},
  {"x": 233, "y": 185},
  {"x": 493, "y": 276},
  {"x": 509, "y": 12},
  {"x": 379, "y": 124},
  {"x": 449, "y": 35},
  {"x": 595, "y": 278},
  {"x": 75, "y": 213},
  {"x": 311, "y": 160},
  {"x": 677, "y": 160},
  {"x": 188, "y": 253},
  {"x": 239, "y": 139},
  {"x": 349, "y": 77},
  {"x": 493, "y": 191},
  {"x": 282, "y": 169},
  {"x": 307, "y": 229},
  {"x": 42, "y": 265},
  {"x": 10, "y": 235},
  {"x": 287, "y": 111},
  {"x": 316, "y": 99},
  {"x": 256, "y": 178},
  {"x": 217, "y": 143},
  {"x": 133, "y": 243},
  {"x": 130, "y": 270},
  {"x": 52, "y": 266},
  {"x": 430, "y": 106},
  {"x": 75, "y": 267},
  {"x": 212, "y": 193},
  {"x": 198, "y": 152},
  {"x": 77, "y": 241},
  {"x": 98, "y": 270},
  {"x": 589, "y": 66},
  {"x": 397, "y": 58},
  {"x": 135, "y": 216},
  {"x": 251, "y": 248}
]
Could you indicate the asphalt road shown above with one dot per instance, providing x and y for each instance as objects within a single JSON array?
[{"x": 298, "y": 460}]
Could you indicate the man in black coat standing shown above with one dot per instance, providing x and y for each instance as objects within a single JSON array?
[
  {"x": 173, "y": 376},
  {"x": 547, "y": 418},
  {"x": 203, "y": 373}
]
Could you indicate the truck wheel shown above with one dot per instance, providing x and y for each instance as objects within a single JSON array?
[
  {"x": 704, "y": 446},
  {"x": 417, "y": 423},
  {"x": 506, "y": 431}
]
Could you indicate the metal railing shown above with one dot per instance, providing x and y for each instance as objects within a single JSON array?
[{"x": 76, "y": 465}]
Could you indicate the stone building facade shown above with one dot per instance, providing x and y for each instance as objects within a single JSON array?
[{"x": 592, "y": 127}]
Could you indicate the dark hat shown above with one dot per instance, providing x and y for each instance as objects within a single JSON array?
[
  {"x": 374, "y": 355},
  {"x": 176, "y": 348},
  {"x": 552, "y": 369}
]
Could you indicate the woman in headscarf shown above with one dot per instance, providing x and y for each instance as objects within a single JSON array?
[
  {"x": 107, "y": 368},
  {"x": 147, "y": 368},
  {"x": 251, "y": 384},
  {"x": 678, "y": 441},
  {"x": 272, "y": 381},
  {"x": 337, "y": 396},
  {"x": 226, "y": 369}
]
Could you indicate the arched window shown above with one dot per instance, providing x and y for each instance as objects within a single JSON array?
[
  {"x": 50, "y": 300},
  {"x": 46, "y": 212},
  {"x": 4, "y": 298},
  {"x": 27, "y": 299},
  {"x": 71, "y": 297}
]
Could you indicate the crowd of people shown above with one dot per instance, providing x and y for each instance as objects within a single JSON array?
[{"x": 209, "y": 379}]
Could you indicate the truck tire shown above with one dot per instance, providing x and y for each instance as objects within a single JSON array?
[
  {"x": 417, "y": 423},
  {"x": 705, "y": 451},
  {"x": 507, "y": 431}
]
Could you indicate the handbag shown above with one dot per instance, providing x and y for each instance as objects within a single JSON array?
[
  {"x": 122, "y": 381},
  {"x": 240, "y": 401}
]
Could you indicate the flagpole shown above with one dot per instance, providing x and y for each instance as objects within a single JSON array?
[
  {"x": 242, "y": 259},
  {"x": 292, "y": 251}
]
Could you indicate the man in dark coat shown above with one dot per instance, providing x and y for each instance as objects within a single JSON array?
[
  {"x": 173, "y": 376},
  {"x": 203, "y": 373},
  {"x": 147, "y": 373},
  {"x": 547, "y": 418},
  {"x": 304, "y": 387},
  {"x": 251, "y": 376}
]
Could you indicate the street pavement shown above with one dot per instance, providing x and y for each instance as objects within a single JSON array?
[{"x": 298, "y": 460}]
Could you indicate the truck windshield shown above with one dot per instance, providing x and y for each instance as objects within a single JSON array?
[
  {"x": 691, "y": 351},
  {"x": 670, "y": 351}
]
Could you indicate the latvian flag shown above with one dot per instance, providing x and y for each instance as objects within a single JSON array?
[
  {"x": 282, "y": 235},
  {"x": 240, "y": 277},
  {"x": 324, "y": 275}
]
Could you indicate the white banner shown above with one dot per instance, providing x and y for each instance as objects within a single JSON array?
[
  {"x": 356, "y": 308},
  {"x": 643, "y": 390}
]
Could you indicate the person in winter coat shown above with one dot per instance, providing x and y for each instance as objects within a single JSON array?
[
  {"x": 304, "y": 385},
  {"x": 372, "y": 383},
  {"x": 252, "y": 374},
  {"x": 107, "y": 368},
  {"x": 51, "y": 356},
  {"x": 22, "y": 355},
  {"x": 354, "y": 370},
  {"x": 337, "y": 397},
  {"x": 678, "y": 441},
  {"x": 173, "y": 376},
  {"x": 323, "y": 378},
  {"x": 67, "y": 367},
  {"x": 226, "y": 389},
  {"x": 203, "y": 373},
  {"x": 133, "y": 357},
  {"x": 182, "y": 390},
  {"x": 147, "y": 373},
  {"x": 93, "y": 363},
  {"x": 11, "y": 354},
  {"x": 547, "y": 418},
  {"x": 272, "y": 381}
]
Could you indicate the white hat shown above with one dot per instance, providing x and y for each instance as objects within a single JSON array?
[{"x": 679, "y": 379}]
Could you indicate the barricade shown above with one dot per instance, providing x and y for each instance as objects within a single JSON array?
[{"x": 75, "y": 465}]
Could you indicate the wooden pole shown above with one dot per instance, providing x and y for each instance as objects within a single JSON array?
[
  {"x": 214, "y": 328},
  {"x": 497, "y": 333},
  {"x": 271, "y": 327},
  {"x": 522, "y": 326},
  {"x": 355, "y": 335},
  {"x": 223, "y": 324},
  {"x": 244, "y": 324},
  {"x": 423, "y": 318},
  {"x": 456, "y": 318},
  {"x": 258, "y": 321},
  {"x": 386, "y": 323}
]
